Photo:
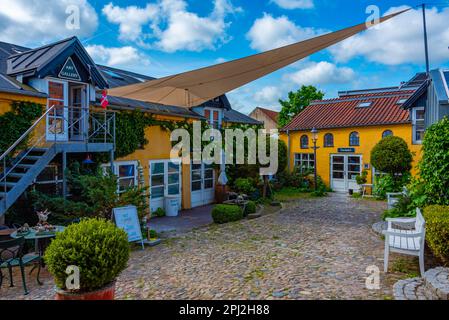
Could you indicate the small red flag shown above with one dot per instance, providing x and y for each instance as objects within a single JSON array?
[{"x": 104, "y": 99}]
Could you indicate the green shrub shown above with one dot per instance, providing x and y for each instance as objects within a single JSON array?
[
  {"x": 437, "y": 230},
  {"x": 434, "y": 165},
  {"x": 244, "y": 185},
  {"x": 224, "y": 213},
  {"x": 153, "y": 234},
  {"x": 386, "y": 183},
  {"x": 363, "y": 178},
  {"x": 250, "y": 208},
  {"x": 97, "y": 247},
  {"x": 392, "y": 155},
  {"x": 160, "y": 212}
]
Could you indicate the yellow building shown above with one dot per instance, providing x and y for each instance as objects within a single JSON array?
[
  {"x": 63, "y": 77},
  {"x": 348, "y": 129}
]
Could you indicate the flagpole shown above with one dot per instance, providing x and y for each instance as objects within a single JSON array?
[{"x": 426, "y": 44}]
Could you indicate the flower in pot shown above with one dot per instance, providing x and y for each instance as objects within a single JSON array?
[{"x": 95, "y": 247}]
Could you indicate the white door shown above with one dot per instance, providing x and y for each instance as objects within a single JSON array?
[
  {"x": 165, "y": 180},
  {"x": 344, "y": 170},
  {"x": 202, "y": 184},
  {"x": 78, "y": 113},
  {"x": 57, "y": 119}
]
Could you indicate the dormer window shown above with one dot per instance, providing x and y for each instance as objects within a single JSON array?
[
  {"x": 213, "y": 118},
  {"x": 364, "y": 104}
]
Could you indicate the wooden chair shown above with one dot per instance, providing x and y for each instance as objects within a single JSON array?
[{"x": 409, "y": 242}]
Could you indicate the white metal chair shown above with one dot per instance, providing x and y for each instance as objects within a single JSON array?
[{"x": 409, "y": 242}]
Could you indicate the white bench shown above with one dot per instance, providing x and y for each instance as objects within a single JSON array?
[
  {"x": 410, "y": 242},
  {"x": 393, "y": 197}
]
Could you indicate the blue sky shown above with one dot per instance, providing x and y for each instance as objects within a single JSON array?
[{"x": 163, "y": 37}]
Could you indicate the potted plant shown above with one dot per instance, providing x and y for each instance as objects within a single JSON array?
[{"x": 98, "y": 249}]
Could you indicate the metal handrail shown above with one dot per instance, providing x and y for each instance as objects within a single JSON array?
[{"x": 23, "y": 136}]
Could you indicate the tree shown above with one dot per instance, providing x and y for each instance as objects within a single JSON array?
[
  {"x": 297, "y": 102},
  {"x": 392, "y": 155}
]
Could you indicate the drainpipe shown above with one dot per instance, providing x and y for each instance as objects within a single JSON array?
[{"x": 288, "y": 150}]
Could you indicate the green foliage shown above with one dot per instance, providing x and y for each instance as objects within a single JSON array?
[
  {"x": 363, "y": 178},
  {"x": 299, "y": 179},
  {"x": 160, "y": 212},
  {"x": 434, "y": 165},
  {"x": 244, "y": 185},
  {"x": 97, "y": 247},
  {"x": 15, "y": 122},
  {"x": 297, "y": 102},
  {"x": 437, "y": 230},
  {"x": 392, "y": 155},
  {"x": 224, "y": 213},
  {"x": 91, "y": 196},
  {"x": 384, "y": 184},
  {"x": 153, "y": 234},
  {"x": 250, "y": 208}
]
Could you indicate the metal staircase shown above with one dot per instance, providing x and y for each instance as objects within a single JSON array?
[{"x": 21, "y": 164}]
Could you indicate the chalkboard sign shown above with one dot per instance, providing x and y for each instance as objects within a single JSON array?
[{"x": 127, "y": 219}]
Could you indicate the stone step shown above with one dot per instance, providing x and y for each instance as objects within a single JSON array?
[
  {"x": 412, "y": 289},
  {"x": 436, "y": 281}
]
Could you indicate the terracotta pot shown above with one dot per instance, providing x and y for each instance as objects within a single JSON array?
[{"x": 106, "y": 293}]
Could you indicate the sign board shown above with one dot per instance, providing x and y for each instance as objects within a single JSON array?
[
  {"x": 127, "y": 219},
  {"x": 346, "y": 150},
  {"x": 69, "y": 71}
]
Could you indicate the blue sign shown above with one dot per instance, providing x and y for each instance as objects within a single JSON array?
[
  {"x": 127, "y": 219},
  {"x": 69, "y": 71},
  {"x": 346, "y": 150}
]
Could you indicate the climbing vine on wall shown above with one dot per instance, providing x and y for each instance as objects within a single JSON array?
[{"x": 16, "y": 121}]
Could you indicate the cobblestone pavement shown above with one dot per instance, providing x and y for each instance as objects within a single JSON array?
[{"x": 314, "y": 249}]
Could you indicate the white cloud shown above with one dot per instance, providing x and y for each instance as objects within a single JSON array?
[
  {"x": 169, "y": 26},
  {"x": 268, "y": 96},
  {"x": 400, "y": 40},
  {"x": 269, "y": 33},
  {"x": 125, "y": 57},
  {"x": 32, "y": 22},
  {"x": 294, "y": 4},
  {"x": 130, "y": 19},
  {"x": 322, "y": 73}
]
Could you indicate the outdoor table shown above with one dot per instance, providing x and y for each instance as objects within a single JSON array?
[
  {"x": 39, "y": 239},
  {"x": 6, "y": 233},
  {"x": 364, "y": 187}
]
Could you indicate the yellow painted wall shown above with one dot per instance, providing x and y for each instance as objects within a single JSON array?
[{"x": 369, "y": 137}]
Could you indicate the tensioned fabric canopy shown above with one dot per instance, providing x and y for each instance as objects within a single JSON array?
[{"x": 195, "y": 87}]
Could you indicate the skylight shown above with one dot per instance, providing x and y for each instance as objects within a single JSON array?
[
  {"x": 402, "y": 101},
  {"x": 113, "y": 74},
  {"x": 364, "y": 104}
]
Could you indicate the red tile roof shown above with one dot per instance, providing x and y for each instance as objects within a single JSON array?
[
  {"x": 344, "y": 112},
  {"x": 270, "y": 113}
]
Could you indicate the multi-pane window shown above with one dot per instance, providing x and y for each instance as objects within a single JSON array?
[
  {"x": 387, "y": 133},
  {"x": 157, "y": 180},
  {"x": 328, "y": 140},
  {"x": 126, "y": 175},
  {"x": 165, "y": 179},
  {"x": 213, "y": 118},
  {"x": 419, "y": 126},
  {"x": 304, "y": 142},
  {"x": 305, "y": 161},
  {"x": 56, "y": 98},
  {"x": 354, "y": 139}
]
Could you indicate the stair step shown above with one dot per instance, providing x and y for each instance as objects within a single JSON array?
[
  {"x": 411, "y": 289},
  {"x": 39, "y": 150},
  {"x": 16, "y": 175},
  {"x": 24, "y": 166},
  {"x": 8, "y": 184},
  {"x": 32, "y": 157},
  {"x": 437, "y": 282}
]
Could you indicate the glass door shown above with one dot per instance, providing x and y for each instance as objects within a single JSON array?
[
  {"x": 57, "y": 119},
  {"x": 165, "y": 180},
  {"x": 78, "y": 113},
  {"x": 338, "y": 173},
  {"x": 202, "y": 184}
]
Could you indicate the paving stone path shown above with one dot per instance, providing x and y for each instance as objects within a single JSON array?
[{"x": 314, "y": 249}]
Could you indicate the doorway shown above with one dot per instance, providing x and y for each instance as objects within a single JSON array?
[{"x": 344, "y": 170}]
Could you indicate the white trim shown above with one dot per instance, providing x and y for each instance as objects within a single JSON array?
[
  {"x": 443, "y": 78},
  {"x": 65, "y": 135},
  {"x": 414, "y": 110},
  {"x": 160, "y": 201},
  {"x": 117, "y": 164},
  {"x": 346, "y": 164},
  {"x": 211, "y": 118}
]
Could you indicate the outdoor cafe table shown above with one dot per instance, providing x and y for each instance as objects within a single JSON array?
[{"x": 39, "y": 239}]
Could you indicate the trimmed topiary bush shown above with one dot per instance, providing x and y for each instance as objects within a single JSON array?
[
  {"x": 224, "y": 213},
  {"x": 437, "y": 230},
  {"x": 250, "y": 208},
  {"x": 160, "y": 212},
  {"x": 434, "y": 165},
  {"x": 244, "y": 185},
  {"x": 97, "y": 247},
  {"x": 392, "y": 155}
]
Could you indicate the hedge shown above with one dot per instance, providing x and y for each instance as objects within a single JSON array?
[
  {"x": 437, "y": 230},
  {"x": 224, "y": 213}
]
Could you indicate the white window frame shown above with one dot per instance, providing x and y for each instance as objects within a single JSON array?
[
  {"x": 117, "y": 165},
  {"x": 165, "y": 174},
  {"x": 414, "y": 122},
  {"x": 300, "y": 163},
  {"x": 211, "y": 121}
]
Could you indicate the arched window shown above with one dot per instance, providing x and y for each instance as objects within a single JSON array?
[
  {"x": 304, "y": 142},
  {"x": 387, "y": 133},
  {"x": 354, "y": 139},
  {"x": 328, "y": 140}
]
